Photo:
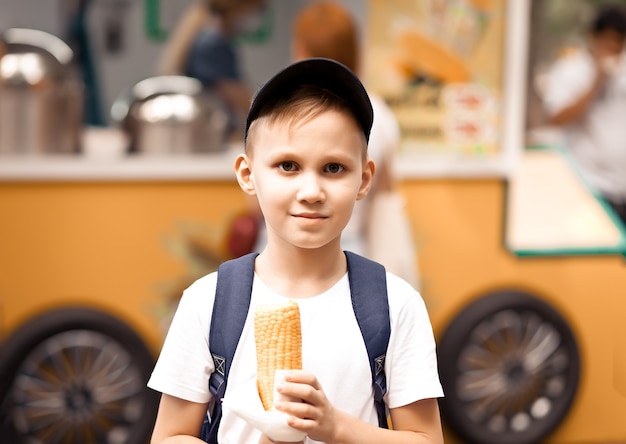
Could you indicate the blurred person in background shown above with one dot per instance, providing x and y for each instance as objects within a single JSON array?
[
  {"x": 327, "y": 29},
  {"x": 585, "y": 95},
  {"x": 79, "y": 39},
  {"x": 203, "y": 46}
]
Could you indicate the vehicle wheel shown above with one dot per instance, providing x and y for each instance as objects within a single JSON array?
[
  {"x": 509, "y": 365},
  {"x": 76, "y": 375}
]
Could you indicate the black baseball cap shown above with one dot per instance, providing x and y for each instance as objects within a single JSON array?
[{"x": 321, "y": 72}]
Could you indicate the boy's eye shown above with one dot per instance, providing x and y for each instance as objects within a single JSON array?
[
  {"x": 334, "y": 168},
  {"x": 287, "y": 166}
]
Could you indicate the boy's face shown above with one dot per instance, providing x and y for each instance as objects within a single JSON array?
[{"x": 307, "y": 177}]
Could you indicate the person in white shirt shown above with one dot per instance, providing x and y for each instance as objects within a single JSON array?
[{"x": 585, "y": 95}]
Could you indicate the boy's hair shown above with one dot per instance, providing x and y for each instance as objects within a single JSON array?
[
  {"x": 327, "y": 29},
  {"x": 309, "y": 87},
  {"x": 610, "y": 18}
]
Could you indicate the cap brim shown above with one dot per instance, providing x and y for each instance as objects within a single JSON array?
[{"x": 324, "y": 73}]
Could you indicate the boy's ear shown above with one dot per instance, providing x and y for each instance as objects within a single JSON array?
[
  {"x": 366, "y": 179},
  {"x": 244, "y": 174}
]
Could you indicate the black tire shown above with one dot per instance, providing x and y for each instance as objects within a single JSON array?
[
  {"x": 76, "y": 375},
  {"x": 509, "y": 366}
]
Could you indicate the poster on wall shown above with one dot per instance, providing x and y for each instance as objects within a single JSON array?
[{"x": 440, "y": 65}]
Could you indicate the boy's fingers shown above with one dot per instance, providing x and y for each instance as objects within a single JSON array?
[
  {"x": 302, "y": 377},
  {"x": 294, "y": 408},
  {"x": 298, "y": 390}
]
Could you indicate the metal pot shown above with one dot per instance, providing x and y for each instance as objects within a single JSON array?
[
  {"x": 172, "y": 114},
  {"x": 41, "y": 96}
]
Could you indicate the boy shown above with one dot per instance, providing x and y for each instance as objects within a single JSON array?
[{"x": 306, "y": 161}]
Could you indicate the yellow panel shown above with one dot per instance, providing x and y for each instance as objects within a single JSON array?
[{"x": 104, "y": 244}]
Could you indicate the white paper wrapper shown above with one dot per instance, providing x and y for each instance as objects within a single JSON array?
[{"x": 246, "y": 404}]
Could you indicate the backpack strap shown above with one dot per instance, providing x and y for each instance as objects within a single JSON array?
[
  {"x": 230, "y": 309},
  {"x": 368, "y": 289}
]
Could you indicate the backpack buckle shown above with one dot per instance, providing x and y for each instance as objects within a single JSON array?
[
  {"x": 219, "y": 363},
  {"x": 217, "y": 381},
  {"x": 380, "y": 381}
]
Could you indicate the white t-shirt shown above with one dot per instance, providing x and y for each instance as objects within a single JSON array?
[
  {"x": 598, "y": 141},
  {"x": 332, "y": 348}
]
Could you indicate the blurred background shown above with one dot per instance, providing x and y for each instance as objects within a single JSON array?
[{"x": 117, "y": 141}]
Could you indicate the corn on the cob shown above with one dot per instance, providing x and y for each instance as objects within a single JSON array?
[{"x": 278, "y": 340}]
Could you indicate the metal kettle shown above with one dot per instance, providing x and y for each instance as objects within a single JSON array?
[
  {"x": 41, "y": 94},
  {"x": 171, "y": 114}
]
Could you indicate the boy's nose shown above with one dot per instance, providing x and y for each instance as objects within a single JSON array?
[{"x": 311, "y": 189}]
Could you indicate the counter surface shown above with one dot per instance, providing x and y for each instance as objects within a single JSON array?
[
  {"x": 213, "y": 166},
  {"x": 551, "y": 211}
]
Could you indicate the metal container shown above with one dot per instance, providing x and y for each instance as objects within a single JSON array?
[
  {"x": 172, "y": 114},
  {"x": 41, "y": 96}
]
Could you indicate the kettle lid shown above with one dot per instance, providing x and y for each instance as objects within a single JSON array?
[{"x": 30, "y": 56}]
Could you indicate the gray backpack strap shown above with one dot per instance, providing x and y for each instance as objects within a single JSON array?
[
  {"x": 230, "y": 309},
  {"x": 368, "y": 288}
]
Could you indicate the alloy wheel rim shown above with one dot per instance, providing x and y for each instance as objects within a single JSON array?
[
  {"x": 512, "y": 371},
  {"x": 77, "y": 386}
]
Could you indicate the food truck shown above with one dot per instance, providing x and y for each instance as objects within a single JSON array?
[{"x": 521, "y": 265}]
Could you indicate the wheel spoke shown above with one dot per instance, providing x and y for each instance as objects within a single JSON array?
[
  {"x": 480, "y": 384},
  {"x": 543, "y": 344},
  {"x": 475, "y": 356}
]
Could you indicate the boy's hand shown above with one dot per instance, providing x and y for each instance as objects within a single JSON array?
[{"x": 314, "y": 414}]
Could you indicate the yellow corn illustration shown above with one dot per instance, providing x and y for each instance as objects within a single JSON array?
[{"x": 278, "y": 339}]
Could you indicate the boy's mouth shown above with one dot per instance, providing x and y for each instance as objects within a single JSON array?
[{"x": 311, "y": 216}]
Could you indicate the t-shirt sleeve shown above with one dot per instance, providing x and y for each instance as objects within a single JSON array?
[
  {"x": 411, "y": 364},
  {"x": 185, "y": 364}
]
